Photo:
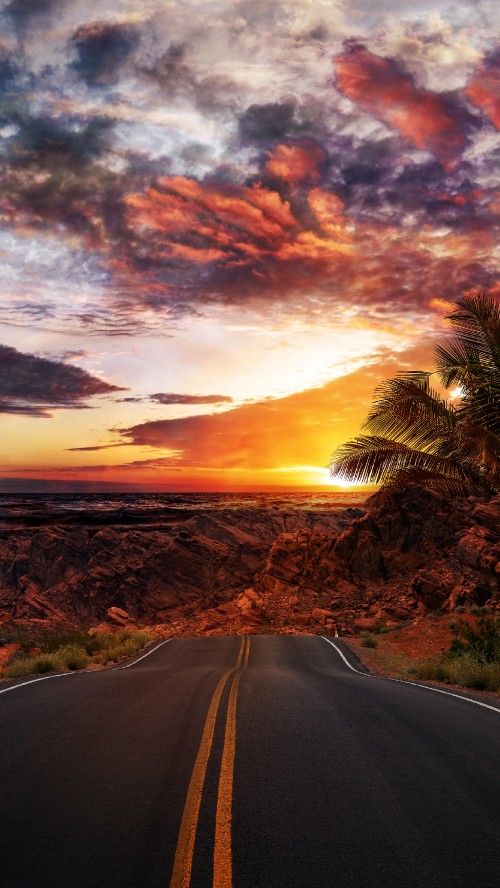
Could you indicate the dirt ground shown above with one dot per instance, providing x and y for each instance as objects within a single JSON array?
[{"x": 397, "y": 651}]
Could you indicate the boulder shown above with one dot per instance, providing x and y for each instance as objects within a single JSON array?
[{"x": 117, "y": 615}]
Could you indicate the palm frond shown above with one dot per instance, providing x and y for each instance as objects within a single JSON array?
[
  {"x": 370, "y": 459},
  {"x": 409, "y": 410},
  {"x": 475, "y": 349},
  {"x": 482, "y": 409},
  {"x": 414, "y": 435}
]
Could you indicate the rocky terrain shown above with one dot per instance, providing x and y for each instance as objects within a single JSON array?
[
  {"x": 260, "y": 570},
  {"x": 82, "y": 572},
  {"x": 420, "y": 552},
  {"x": 417, "y": 554}
]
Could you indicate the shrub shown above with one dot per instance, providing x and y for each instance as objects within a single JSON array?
[
  {"x": 465, "y": 671},
  {"x": 471, "y": 673},
  {"x": 74, "y": 650},
  {"x": 482, "y": 642},
  {"x": 368, "y": 641},
  {"x": 97, "y": 641},
  {"x": 380, "y": 628},
  {"x": 38, "y": 665},
  {"x": 125, "y": 644},
  {"x": 431, "y": 670},
  {"x": 73, "y": 657}
]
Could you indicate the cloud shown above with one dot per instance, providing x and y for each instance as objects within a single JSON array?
[
  {"x": 426, "y": 120},
  {"x": 22, "y": 12},
  {"x": 30, "y": 385},
  {"x": 296, "y": 163},
  {"x": 16, "y": 485},
  {"x": 270, "y": 122},
  {"x": 180, "y": 157},
  {"x": 483, "y": 88},
  {"x": 193, "y": 244},
  {"x": 92, "y": 447},
  {"x": 181, "y": 77},
  {"x": 54, "y": 180},
  {"x": 71, "y": 354},
  {"x": 197, "y": 238},
  {"x": 172, "y": 398},
  {"x": 175, "y": 398},
  {"x": 102, "y": 48},
  {"x": 67, "y": 140},
  {"x": 299, "y": 429}
]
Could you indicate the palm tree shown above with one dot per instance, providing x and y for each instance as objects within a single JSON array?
[{"x": 414, "y": 435}]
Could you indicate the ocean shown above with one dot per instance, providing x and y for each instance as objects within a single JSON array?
[{"x": 143, "y": 508}]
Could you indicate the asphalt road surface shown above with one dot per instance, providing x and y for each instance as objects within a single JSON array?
[{"x": 263, "y": 762}]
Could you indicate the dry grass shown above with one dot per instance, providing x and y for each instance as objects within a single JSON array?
[
  {"x": 72, "y": 651},
  {"x": 404, "y": 654}
]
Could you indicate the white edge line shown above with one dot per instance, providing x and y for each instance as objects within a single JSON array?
[
  {"x": 145, "y": 655},
  {"x": 34, "y": 680},
  {"x": 414, "y": 683}
]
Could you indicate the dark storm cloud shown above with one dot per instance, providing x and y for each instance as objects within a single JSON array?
[
  {"x": 22, "y": 12},
  {"x": 269, "y": 123},
  {"x": 172, "y": 398},
  {"x": 102, "y": 48},
  {"x": 71, "y": 139},
  {"x": 54, "y": 179},
  {"x": 377, "y": 187},
  {"x": 9, "y": 69},
  {"x": 31, "y": 385}
]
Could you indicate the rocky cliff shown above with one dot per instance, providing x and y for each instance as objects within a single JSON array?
[
  {"x": 419, "y": 552},
  {"x": 86, "y": 573},
  {"x": 263, "y": 570}
]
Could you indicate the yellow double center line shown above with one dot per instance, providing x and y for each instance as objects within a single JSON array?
[{"x": 183, "y": 862}]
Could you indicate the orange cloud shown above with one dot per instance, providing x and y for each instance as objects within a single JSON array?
[
  {"x": 275, "y": 434},
  {"x": 296, "y": 163},
  {"x": 484, "y": 90},
  {"x": 424, "y": 119},
  {"x": 232, "y": 225}
]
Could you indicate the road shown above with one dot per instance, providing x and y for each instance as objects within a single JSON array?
[{"x": 263, "y": 762}]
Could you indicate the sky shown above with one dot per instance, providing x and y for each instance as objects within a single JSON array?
[{"x": 223, "y": 224}]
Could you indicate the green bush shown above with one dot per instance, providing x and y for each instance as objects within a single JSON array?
[
  {"x": 125, "y": 644},
  {"x": 38, "y": 665},
  {"x": 482, "y": 642},
  {"x": 73, "y": 657},
  {"x": 471, "y": 673},
  {"x": 74, "y": 650},
  {"x": 465, "y": 671},
  {"x": 368, "y": 641},
  {"x": 431, "y": 670}
]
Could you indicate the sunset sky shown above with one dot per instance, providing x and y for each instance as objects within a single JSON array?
[{"x": 224, "y": 223}]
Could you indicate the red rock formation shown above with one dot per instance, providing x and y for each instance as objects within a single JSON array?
[
  {"x": 86, "y": 574},
  {"x": 260, "y": 571},
  {"x": 418, "y": 552}
]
